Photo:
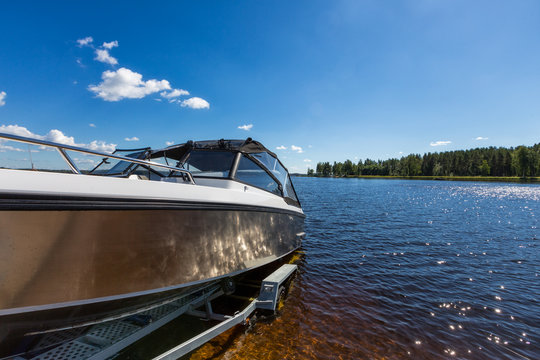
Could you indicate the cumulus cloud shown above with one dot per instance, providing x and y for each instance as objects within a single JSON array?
[
  {"x": 57, "y": 136},
  {"x": 439, "y": 143},
  {"x": 245, "y": 127},
  {"x": 195, "y": 103},
  {"x": 126, "y": 84},
  {"x": 99, "y": 146},
  {"x": 134, "y": 138},
  {"x": 92, "y": 125},
  {"x": 169, "y": 143},
  {"x": 17, "y": 130},
  {"x": 110, "y": 45},
  {"x": 298, "y": 149},
  {"x": 281, "y": 147},
  {"x": 85, "y": 41},
  {"x": 3, "y": 98},
  {"x": 481, "y": 138},
  {"x": 174, "y": 93},
  {"x": 307, "y": 160},
  {"x": 103, "y": 56}
]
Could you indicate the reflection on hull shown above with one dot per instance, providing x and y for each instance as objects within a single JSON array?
[{"x": 62, "y": 268}]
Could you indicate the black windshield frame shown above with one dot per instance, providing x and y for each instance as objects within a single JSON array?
[{"x": 247, "y": 148}]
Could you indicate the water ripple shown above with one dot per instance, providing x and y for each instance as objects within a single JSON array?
[{"x": 409, "y": 269}]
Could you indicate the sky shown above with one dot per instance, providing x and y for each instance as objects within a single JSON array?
[{"x": 312, "y": 80}]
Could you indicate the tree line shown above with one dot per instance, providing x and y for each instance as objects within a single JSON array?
[{"x": 522, "y": 161}]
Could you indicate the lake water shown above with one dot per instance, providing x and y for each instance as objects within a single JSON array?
[{"x": 402, "y": 269}]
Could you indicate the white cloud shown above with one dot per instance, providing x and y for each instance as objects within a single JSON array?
[
  {"x": 104, "y": 56},
  {"x": 3, "y": 98},
  {"x": 99, "y": 146},
  {"x": 481, "y": 138},
  {"x": 134, "y": 138},
  {"x": 85, "y": 42},
  {"x": 195, "y": 103},
  {"x": 174, "y": 93},
  {"x": 110, "y": 45},
  {"x": 16, "y": 130},
  {"x": 126, "y": 84},
  {"x": 281, "y": 147},
  {"x": 307, "y": 160},
  {"x": 57, "y": 136},
  {"x": 84, "y": 161},
  {"x": 4, "y": 148},
  {"x": 439, "y": 143},
  {"x": 298, "y": 149},
  {"x": 92, "y": 125},
  {"x": 246, "y": 127},
  {"x": 169, "y": 143}
]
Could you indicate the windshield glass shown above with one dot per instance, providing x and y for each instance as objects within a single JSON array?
[
  {"x": 251, "y": 173},
  {"x": 110, "y": 166},
  {"x": 275, "y": 167},
  {"x": 272, "y": 164},
  {"x": 289, "y": 190},
  {"x": 209, "y": 163}
]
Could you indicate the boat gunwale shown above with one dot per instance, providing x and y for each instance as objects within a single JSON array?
[{"x": 10, "y": 201}]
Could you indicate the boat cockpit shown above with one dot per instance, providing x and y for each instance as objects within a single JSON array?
[
  {"x": 245, "y": 161},
  {"x": 218, "y": 163}
]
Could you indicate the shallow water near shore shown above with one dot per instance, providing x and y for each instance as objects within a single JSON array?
[{"x": 399, "y": 269}]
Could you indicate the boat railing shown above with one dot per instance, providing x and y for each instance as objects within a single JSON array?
[{"x": 72, "y": 165}]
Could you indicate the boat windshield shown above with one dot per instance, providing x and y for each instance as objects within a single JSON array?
[
  {"x": 118, "y": 167},
  {"x": 279, "y": 172},
  {"x": 251, "y": 173},
  {"x": 209, "y": 163}
]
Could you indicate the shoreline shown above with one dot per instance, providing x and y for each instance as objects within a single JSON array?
[{"x": 514, "y": 179}]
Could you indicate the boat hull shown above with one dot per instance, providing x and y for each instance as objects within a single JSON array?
[{"x": 63, "y": 264}]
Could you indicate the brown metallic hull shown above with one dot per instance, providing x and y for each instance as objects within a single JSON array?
[{"x": 63, "y": 267}]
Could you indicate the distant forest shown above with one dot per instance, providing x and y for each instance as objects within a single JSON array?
[{"x": 522, "y": 161}]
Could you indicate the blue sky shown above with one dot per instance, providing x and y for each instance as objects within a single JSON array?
[{"x": 335, "y": 79}]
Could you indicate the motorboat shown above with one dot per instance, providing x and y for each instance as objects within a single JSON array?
[{"x": 81, "y": 247}]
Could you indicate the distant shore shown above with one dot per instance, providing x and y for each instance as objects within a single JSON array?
[{"x": 441, "y": 178}]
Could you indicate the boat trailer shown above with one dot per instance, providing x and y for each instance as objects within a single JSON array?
[{"x": 104, "y": 341}]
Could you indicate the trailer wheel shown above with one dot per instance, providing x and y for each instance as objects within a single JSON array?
[{"x": 282, "y": 295}]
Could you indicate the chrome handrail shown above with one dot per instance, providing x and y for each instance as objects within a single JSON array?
[{"x": 62, "y": 147}]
